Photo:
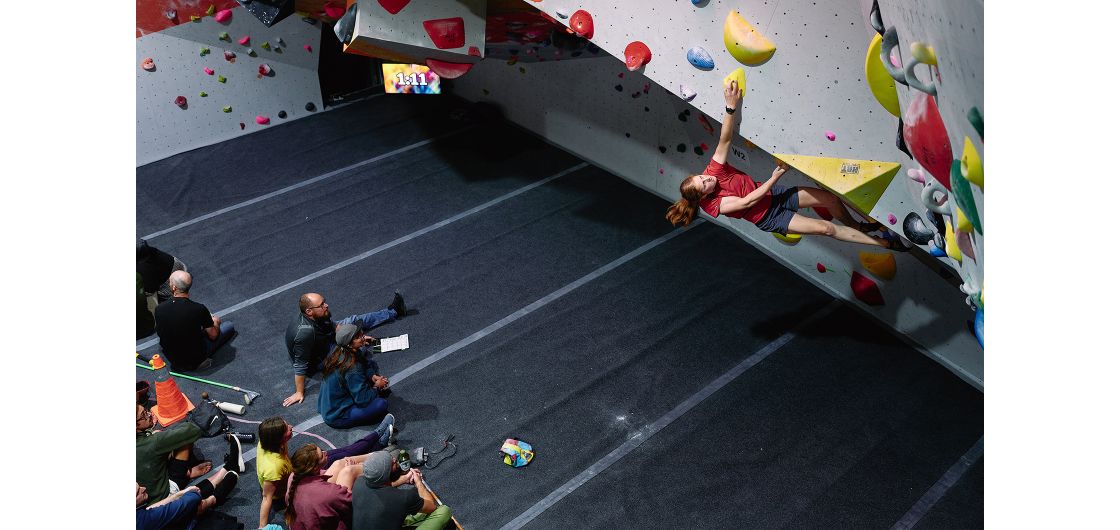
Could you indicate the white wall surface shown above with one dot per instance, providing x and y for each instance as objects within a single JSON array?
[{"x": 164, "y": 129}]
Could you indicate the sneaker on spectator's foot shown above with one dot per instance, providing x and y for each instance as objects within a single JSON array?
[
  {"x": 398, "y": 304},
  {"x": 225, "y": 487},
  {"x": 234, "y": 460}
]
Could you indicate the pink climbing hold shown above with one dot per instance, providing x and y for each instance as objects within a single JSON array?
[
  {"x": 446, "y": 32},
  {"x": 148, "y": 64},
  {"x": 333, "y": 11},
  {"x": 242, "y": 126},
  {"x": 895, "y": 61},
  {"x": 916, "y": 175},
  {"x": 582, "y": 24},
  {"x": 820, "y": 268},
  {"x": 891, "y": 218},
  {"x": 830, "y": 135},
  {"x": 866, "y": 290},
  {"x": 448, "y": 70},
  {"x": 181, "y": 101},
  {"x": 393, "y": 6},
  {"x": 230, "y": 56},
  {"x": 637, "y": 55},
  {"x": 263, "y": 120},
  {"x": 223, "y": 15},
  {"x": 244, "y": 41},
  {"x": 307, "y": 47},
  {"x": 661, "y": 170},
  {"x": 703, "y": 147},
  {"x": 208, "y": 71}
]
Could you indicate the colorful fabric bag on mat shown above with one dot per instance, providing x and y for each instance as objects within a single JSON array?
[{"x": 516, "y": 452}]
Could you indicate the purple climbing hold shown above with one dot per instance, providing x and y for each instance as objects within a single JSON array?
[
  {"x": 892, "y": 219},
  {"x": 830, "y": 135}
]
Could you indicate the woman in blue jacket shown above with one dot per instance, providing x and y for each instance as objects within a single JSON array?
[{"x": 351, "y": 391}]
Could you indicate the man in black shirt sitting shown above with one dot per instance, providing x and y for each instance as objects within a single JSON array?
[
  {"x": 188, "y": 333},
  {"x": 381, "y": 503}
]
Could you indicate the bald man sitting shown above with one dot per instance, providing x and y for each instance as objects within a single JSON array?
[
  {"x": 310, "y": 337},
  {"x": 188, "y": 333}
]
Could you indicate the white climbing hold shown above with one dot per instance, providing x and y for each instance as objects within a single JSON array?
[{"x": 687, "y": 93}]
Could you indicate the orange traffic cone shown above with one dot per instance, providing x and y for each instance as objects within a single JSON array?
[{"x": 171, "y": 404}]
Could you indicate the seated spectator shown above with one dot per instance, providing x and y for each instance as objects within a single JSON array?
[
  {"x": 310, "y": 337},
  {"x": 164, "y": 459},
  {"x": 274, "y": 467},
  {"x": 188, "y": 333},
  {"x": 319, "y": 500},
  {"x": 379, "y": 501},
  {"x": 145, "y": 321},
  {"x": 351, "y": 393},
  {"x": 180, "y": 509},
  {"x": 156, "y": 266}
]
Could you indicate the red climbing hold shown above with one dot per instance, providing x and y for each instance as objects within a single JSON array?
[
  {"x": 866, "y": 290},
  {"x": 181, "y": 101},
  {"x": 446, "y": 32},
  {"x": 823, "y": 213},
  {"x": 821, "y": 269},
  {"x": 703, "y": 147},
  {"x": 927, "y": 139},
  {"x": 243, "y": 126},
  {"x": 448, "y": 70},
  {"x": 393, "y": 6},
  {"x": 582, "y": 24},
  {"x": 473, "y": 51},
  {"x": 333, "y": 11},
  {"x": 637, "y": 55}
]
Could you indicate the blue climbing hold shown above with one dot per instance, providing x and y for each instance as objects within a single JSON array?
[
  {"x": 937, "y": 252},
  {"x": 700, "y": 58},
  {"x": 978, "y": 327},
  {"x": 696, "y": 2}
]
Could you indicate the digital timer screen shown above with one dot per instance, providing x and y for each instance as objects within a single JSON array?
[{"x": 409, "y": 79}]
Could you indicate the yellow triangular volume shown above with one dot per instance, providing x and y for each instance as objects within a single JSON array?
[
  {"x": 860, "y": 182},
  {"x": 739, "y": 76}
]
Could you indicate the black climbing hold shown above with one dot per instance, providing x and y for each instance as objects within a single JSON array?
[
  {"x": 937, "y": 221},
  {"x": 647, "y": 109},
  {"x": 698, "y": 151},
  {"x": 282, "y": 114},
  {"x": 309, "y": 107},
  {"x": 618, "y": 88},
  {"x": 900, "y": 142},
  {"x": 915, "y": 229},
  {"x": 662, "y": 148},
  {"x": 681, "y": 148},
  {"x": 682, "y": 116},
  {"x": 627, "y": 135}
]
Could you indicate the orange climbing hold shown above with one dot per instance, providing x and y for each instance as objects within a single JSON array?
[
  {"x": 881, "y": 265},
  {"x": 637, "y": 55}
]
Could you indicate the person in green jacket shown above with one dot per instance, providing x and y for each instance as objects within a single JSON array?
[{"x": 164, "y": 457}]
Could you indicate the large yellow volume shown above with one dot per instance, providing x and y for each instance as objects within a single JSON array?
[
  {"x": 860, "y": 182},
  {"x": 880, "y": 82},
  {"x": 746, "y": 44}
]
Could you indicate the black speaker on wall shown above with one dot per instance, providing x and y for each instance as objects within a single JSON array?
[{"x": 269, "y": 11}]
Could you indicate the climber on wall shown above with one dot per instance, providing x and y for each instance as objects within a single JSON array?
[{"x": 722, "y": 189}]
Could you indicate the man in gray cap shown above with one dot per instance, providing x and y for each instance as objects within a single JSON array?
[{"x": 382, "y": 499}]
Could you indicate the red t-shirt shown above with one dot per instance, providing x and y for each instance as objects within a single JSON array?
[{"x": 733, "y": 183}]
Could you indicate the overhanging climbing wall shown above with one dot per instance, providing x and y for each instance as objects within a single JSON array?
[
  {"x": 191, "y": 59},
  {"x": 448, "y": 36},
  {"x": 808, "y": 103}
]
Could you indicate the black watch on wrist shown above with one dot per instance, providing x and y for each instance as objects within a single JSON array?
[{"x": 729, "y": 110}]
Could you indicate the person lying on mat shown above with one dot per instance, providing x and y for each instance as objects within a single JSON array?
[
  {"x": 353, "y": 387},
  {"x": 188, "y": 333},
  {"x": 724, "y": 190},
  {"x": 310, "y": 337},
  {"x": 180, "y": 509},
  {"x": 378, "y": 503},
  {"x": 274, "y": 467},
  {"x": 317, "y": 498}
]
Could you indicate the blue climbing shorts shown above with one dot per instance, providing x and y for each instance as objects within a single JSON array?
[{"x": 783, "y": 204}]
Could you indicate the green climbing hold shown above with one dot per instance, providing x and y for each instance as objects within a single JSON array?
[
  {"x": 210, "y": 10},
  {"x": 265, "y": 45},
  {"x": 202, "y": 94},
  {"x": 202, "y": 52},
  {"x": 977, "y": 121},
  {"x": 221, "y": 79},
  {"x": 195, "y": 18},
  {"x": 224, "y": 36},
  {"x": 227, "y": 109},
  {"x": 962, "y": 192}
]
